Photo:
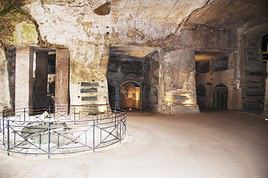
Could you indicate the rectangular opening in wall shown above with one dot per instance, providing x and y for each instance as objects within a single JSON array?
[
  {"x": 89, "y": 98},
  {"x": 220, "y": 64},
  {"x": 211, "y": 93},
  {"x": 44, "y": 73},
  {"x": 88, "y": 90},
  {"x": 89, "y": 84}
]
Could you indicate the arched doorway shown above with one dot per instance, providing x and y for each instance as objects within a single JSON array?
[
  {"x": 130, "y": 95},
  {"x": 220, "y": 97}
]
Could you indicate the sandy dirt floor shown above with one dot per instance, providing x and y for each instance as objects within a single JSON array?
[{"x": 214, "y": 144}]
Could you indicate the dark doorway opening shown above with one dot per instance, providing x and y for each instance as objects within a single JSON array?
[
  {"x": 201, "y": 96},
  {"x": 44, "y": 73},
  {"x": 211, "y": 68},
  {"x": 220, "y": 97},
  {"x": 265, "y": 46}
]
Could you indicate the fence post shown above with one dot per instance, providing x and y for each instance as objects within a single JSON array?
[
  {"x": 23, "y": 114},
  {"x": 40, "y": 140},
  {"x": 93, "y": 135},
  {"x": 120, "y": 123},
  {"x": 54, "y": 114},
  {"x": 3, "y": 126},
  {"x": 8, "y": 138},
  {"x": 97, "y": 116},
  {"x": 14, "y": 139},
  {"x": 125, "y": 120},
  {"x": 74, "y": 114},
  {"x": 1, "y": 121},
  {"x": 58, "y": 141},
  {"x": 86, "y": 137},
  {"x": 48, "y": 143},
  {"x": 49, "y": 112},
  {"x": 115, "y": 119}
]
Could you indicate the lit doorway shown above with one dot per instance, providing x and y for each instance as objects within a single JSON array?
[{"x": 130, "y": 96}]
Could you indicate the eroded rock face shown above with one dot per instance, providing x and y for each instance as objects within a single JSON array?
[
  {"x": 77, "y": 20},
  {"x": 103, "y": 9},
  {"x": 17, "y": 28},
  {"x": 177, "y": 93},
  {"x": 25, "y": 33},
  {"x": 89, "y": 28}
]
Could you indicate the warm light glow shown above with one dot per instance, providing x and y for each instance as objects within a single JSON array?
[
  {"x": 131, "y": 95},
  {"x": 137, "y": 98},
  {"x": 168, "y": 98},
  {"x": 202, "y": 57},
  {"x": 102, "y": 108},
  {"x": 206, "y": 56},
  {"x": 188, "y": 101}
]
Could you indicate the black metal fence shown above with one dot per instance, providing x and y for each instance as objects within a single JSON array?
[{"x": 61, "y": 130}]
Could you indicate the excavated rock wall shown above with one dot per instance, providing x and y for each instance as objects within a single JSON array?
[
  {"x": 87, "y": 35},
  {"x": 177, "y": 82},
  {"x": 89, "y": 28},
  {"x": 253, "y": 69}
]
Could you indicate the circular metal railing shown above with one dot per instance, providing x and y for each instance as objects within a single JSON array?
[{"x": 61, "y": 129}]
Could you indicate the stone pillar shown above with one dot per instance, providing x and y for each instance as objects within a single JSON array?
[
  {"x": 237, "y": 91},
  {"x": 62, "y": 77},
  {"x": 266, "y": 93},
  {"x": 4, "y": 86},
  {"x": 23, "y": 78},
  {"x": 177, "y": 82}
]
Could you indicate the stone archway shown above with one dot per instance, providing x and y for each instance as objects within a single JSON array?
[{"x": 131, "y": 95}]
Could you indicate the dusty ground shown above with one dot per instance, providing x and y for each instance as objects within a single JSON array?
[{"x": 215, "y": 144}]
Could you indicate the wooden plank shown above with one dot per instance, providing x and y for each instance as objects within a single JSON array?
[{"x": 62, "y": 77}]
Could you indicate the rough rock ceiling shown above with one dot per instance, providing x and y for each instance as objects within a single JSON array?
[
  {"x": 168, "y": 11},
  {"x": 211, "y": 12},
  {"x": 171, "y": 11},
  {"x": 142, "y": 20},
  {"x": 230, "y": 13},
  {"x": 134, "y": 21},
  {"x": 129, "y": 21}
]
